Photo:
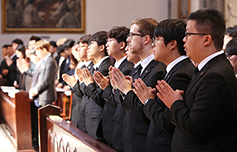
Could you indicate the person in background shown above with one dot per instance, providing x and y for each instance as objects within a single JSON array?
[
  {"x": 8, "y": 66},
  {"x": 231, "y": 53},
  {"x": 71, "y": 72},
  {"x": 64, "y": 68},
  {"x": 22, "y": 66},
  {"x": 230, "y": 33},
  {"x": 44, "y": 87},
  {"x": 53, "y": 48},
  {"x": 5, "y": 50},
  {"x": 204, "y": 114}
]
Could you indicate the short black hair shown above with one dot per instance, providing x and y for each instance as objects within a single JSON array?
[
  {"x": 231, "y": 31},
  {"x": 69, "y": 43},
  {"x": 101, "y": 39},
  {"x": 22, "y": 49},
  {"x": 53, "y": 43},
  {"x": 172, "y": 29},
  {"x": 36, "y": 38},
  {"x": 6, "y": 45},
  {"x": 85, "y": 39},
  {"x": 212, "y": 22},
  {"x": 17, "y": 41},
  {"x": 231, "y": 47},
  {"x": 60, "y": 49},
  {"x": 119, "y": 33}
]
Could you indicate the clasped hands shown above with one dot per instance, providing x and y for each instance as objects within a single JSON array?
[{"x": 124, "y": 84}]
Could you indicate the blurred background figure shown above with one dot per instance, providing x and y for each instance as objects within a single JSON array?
[
  {"x": 230, "y": 33},
  {"x": 231, "y": 53}
]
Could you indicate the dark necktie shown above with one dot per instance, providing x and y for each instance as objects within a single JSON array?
[
  {"x": 195, "y": 73},
  {"x": 139, "y": 69}
]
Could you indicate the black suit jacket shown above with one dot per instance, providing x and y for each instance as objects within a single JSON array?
[
  {"x": 12, "y": 71},
  {"x": 136, "y": 127},
  {"x": 160, "y": 132},
  {"x": 112, "y": 119},
  {"x": 95, "y": 104},
  {"x": 76, "y": 108},
  {"x": 206, "y": 119}
]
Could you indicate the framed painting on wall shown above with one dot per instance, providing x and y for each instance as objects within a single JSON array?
[
  {"x": 183, "y": 8},
  {"x": 43, "y": 16}
]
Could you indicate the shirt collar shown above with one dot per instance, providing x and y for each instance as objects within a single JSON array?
[
  {"x": 118, "y": 63},
  {"x": 173, "y": 63},
  {"x": 12, "y": 56},
  {"x": 207, "y": 59},
  {"x": 46, "y": 57},
  {"x": 135, "y": 65},
  {"x": 146, "y": 61},
  {"x": 87, "y": 63}
]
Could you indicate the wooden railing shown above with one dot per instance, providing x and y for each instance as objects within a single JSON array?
[
  {"x": 16, "y": 114},
  {"x": 56, "y": 134}
]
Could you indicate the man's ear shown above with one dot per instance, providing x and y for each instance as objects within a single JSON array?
[
  {"x": 207, "y": 40},
  {"x": 147, "y": 39},
  {"x": 122, "y": 45},
  {"x": 172, "y": 44},
  {"x": 102, "y": 48}
]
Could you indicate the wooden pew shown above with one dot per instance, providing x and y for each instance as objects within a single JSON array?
[
  {"x": 64, "y": 100},
  {"x": 16, "y": 113},
  {"x": 56, "y": 134}
]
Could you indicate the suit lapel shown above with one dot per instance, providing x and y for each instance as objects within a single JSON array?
[
  {"x": 103, "y": 63},
  {"x": 175, "y": 68},
  {"x": 147, "y": 70},
  {"x": 204, "y": 70},
  {"x": 122, "y": 64}
]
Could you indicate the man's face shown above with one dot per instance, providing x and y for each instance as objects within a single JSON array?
[
  {"x": 14, "y": 46},
  {"x": 82, "y": 51},
  {"x": 93, "y": 50},
  {"x": 193, "y": 43},
  {"x": 135, "y": 40},
  {"x": 112, "y": 46},
  {"x": 4, "y": 52},
  {"x": 160, "y": 50},
  {"x": 10, "y": 50},
  {"x": 227, "y": 38},
  {"x": 131, "y": 57}
]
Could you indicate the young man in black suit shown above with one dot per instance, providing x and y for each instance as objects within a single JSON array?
[
  {"x": 80, "y": 53},
  {"x": 112, "y": 111},
  {"x": 94, "y": 107},
  {"x": 205, "y": 113},
  {"x": 140, "y": 43},
  {"x": 168, "y": 48}
]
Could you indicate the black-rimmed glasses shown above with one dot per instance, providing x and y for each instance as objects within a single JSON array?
[
  {"x": 156, "y": 39},
  {"x": 187, "y": 34},
  {"x": 130, "y": 35}
]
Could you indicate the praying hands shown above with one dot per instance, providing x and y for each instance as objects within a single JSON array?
[{"x": 167, "y": 94}]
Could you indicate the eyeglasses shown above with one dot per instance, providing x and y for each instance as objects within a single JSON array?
[
  {"x": 155, "y": 39},
  {"x": 187, "y": 34},
  {"x": 130, "y": 35}
]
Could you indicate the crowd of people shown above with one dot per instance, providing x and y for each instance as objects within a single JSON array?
[{"x": 167, "y": 86}]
